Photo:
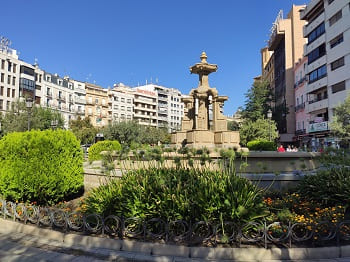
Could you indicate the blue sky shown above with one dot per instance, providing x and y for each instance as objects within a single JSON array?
[{"x": 130, "y": 41}]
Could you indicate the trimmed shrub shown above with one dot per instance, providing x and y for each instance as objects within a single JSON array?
[
  {"x": 41, "y": 166},
  {"x": 261, "y": 145},
  {"x": 106, "y": 145},
  {"x": 178, "y": 193}
]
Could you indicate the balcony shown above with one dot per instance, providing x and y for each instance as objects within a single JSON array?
[
  {"x": 318, "y": 127},
  {"x": 90, "y": 102},
  {"x": 311, "y": 87},
  {"x": 79, "y": 100},
  {"x": 80, "y": 112},
  {"x": 61, "y": 98},
  {"x": 138, "y": 107},
  {"x": 300, "y": 107},
  {"x": 161, "y": 118},
  {"x": 317, "y": 105},
  {"x": 300, "y": 132},
  {"x": 160, "y": 98},
  {"x": 300, "y": 82},
  {"x": 309, "y": 8},
  {"x": 311, "y": 26}
]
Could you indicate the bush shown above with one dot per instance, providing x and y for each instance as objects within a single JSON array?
[
  {"x": 327, "y": 187},
  {"x": 178, "y": 193},
  {"x": 41, "y": 166},
  {"x": 107, "y": 145},
  {"x": 261, "y": 145}
]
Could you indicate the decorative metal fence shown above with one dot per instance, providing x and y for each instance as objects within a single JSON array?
[{"x": 259, "y": 233}]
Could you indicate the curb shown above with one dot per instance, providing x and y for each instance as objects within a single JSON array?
[{"x": 142, "y": 251}]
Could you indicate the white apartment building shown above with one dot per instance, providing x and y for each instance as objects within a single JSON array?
[
  {"x": 79, "y": 98},
  {"x": 169, "y": 107},
  {"x": 328, "y": 69},
  {"x": 9, "y": 77},
  {"x": 121, "y": 103},
  {"x": 145, "y": 105},
  {"x": 57, "y": 93}
]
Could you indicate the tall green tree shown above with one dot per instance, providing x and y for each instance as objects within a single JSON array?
[
  {"x": 340, "y": 125},
  {"x": 16, "y": 119},
  {"x": 83, "y": 130},
  {"x": 261, "y": 129},
  {"x": 258, "y": 101}
]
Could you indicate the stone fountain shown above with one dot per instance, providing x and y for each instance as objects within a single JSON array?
[{"x": 204, "y": 124}]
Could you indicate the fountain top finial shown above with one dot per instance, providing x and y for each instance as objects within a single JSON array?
[{"x": 203, "y": 57}]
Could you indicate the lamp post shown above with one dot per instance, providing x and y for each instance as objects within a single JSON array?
[
  {"x": 29, "y": 105},
  {"x": 269, "y": 116}
]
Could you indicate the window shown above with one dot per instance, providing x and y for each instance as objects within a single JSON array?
[
  {"x": 337, "y": 63},
  {"x": 338, "y": 87},
  {"x": 1, "y": 91},
  {"x": 316, "y": 33},
  {"x": 129, "y": 100},
  {"x": 318, "y": 74},
  {"x": 122, "y": 99},
  {"x": 8, "y": 92},
  {"x": 13, "y": 92},
  {"x": 2, "y": 64},
  {"x": 48, "y": 92},
  {"x": 2, "y": 77},
  {"x": 129, "y": 109},
  {"x": 335, "y": 18},
  {"x": 96, "y": 100},
  {"x": 9, "y": 66},
  {"x": 116, "y": 107},
  {"x": 336, "y": 41},
  {"x": 47, "y": 102},
  {"x": 60, "y": 82},
  {"x": 8, "y": 80},
  {"x": 14, "y": 68},
  {"x": 122, "y": 108},
  {"x": 48, "y": 78},
  {"x": 13, "y": 80},
  {"x": 316, "y": 53},
  {"x": 1, "y": 103},
  {"x": 8, "y": 105}
]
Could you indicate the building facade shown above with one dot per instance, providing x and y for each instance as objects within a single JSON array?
[
  {"x": 328, "y": 69},
  {"x": 79, "y": 98},
  {"x": 286, "y": 42},
  {"x": 302, "y": 118},
  {"x": 121, "y": 103},
  {"x": 96, "y": 105},
  {"x": 9, "y": 77}
]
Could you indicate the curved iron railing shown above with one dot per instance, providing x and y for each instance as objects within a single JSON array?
[{"x": 179, "y": 231}]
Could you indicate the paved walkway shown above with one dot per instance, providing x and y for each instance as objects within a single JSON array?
[{"x": 21, "y": 247}]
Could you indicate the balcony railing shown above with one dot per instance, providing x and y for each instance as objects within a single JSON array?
[
  {"x": 298, "y": 83},
  {"x": 300, "y": 107}
]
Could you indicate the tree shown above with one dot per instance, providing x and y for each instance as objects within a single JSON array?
[
  {"x": 128, "y": 132},
  {"x": 340, "y": 125},
  {"x": 83, "y": 130},
  {"x": 258, "y": 101},
  {"x": 232, "y": 125},
  {"x": 40, "y": 118},
  {"x": 261, "y": 129}
]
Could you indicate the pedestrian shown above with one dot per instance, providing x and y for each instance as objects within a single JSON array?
[{"x": 281, "y": 149}]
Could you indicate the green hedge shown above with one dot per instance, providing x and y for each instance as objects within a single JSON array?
[
  {"x": 178, "y": 193},
  {"x": 261, "y": 145},
  {"x": 41, "y": 166},
  {"x": 107, "y": 145}
]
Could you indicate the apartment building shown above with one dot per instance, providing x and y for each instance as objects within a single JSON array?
[
  {"x": 9, "y": 77},
  {"x": 56, "y": 93},
  {"x": 170, "y": 107},
  {"x": 79, "y": 98},
  {"x": 328, "y": 69},
  {"x": 121, "y": 103},
  {"x": 96, "y": 104},
  {"x": 302, "y": 118},
  {"x": 286, "y": 42},
  {"x": 145, "y": 105},
  {"x": 268, "y": 68}
]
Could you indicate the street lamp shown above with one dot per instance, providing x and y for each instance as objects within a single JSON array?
[
  {"x": 29, "y": 105},
  {"x": 269, "y": 116}
]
